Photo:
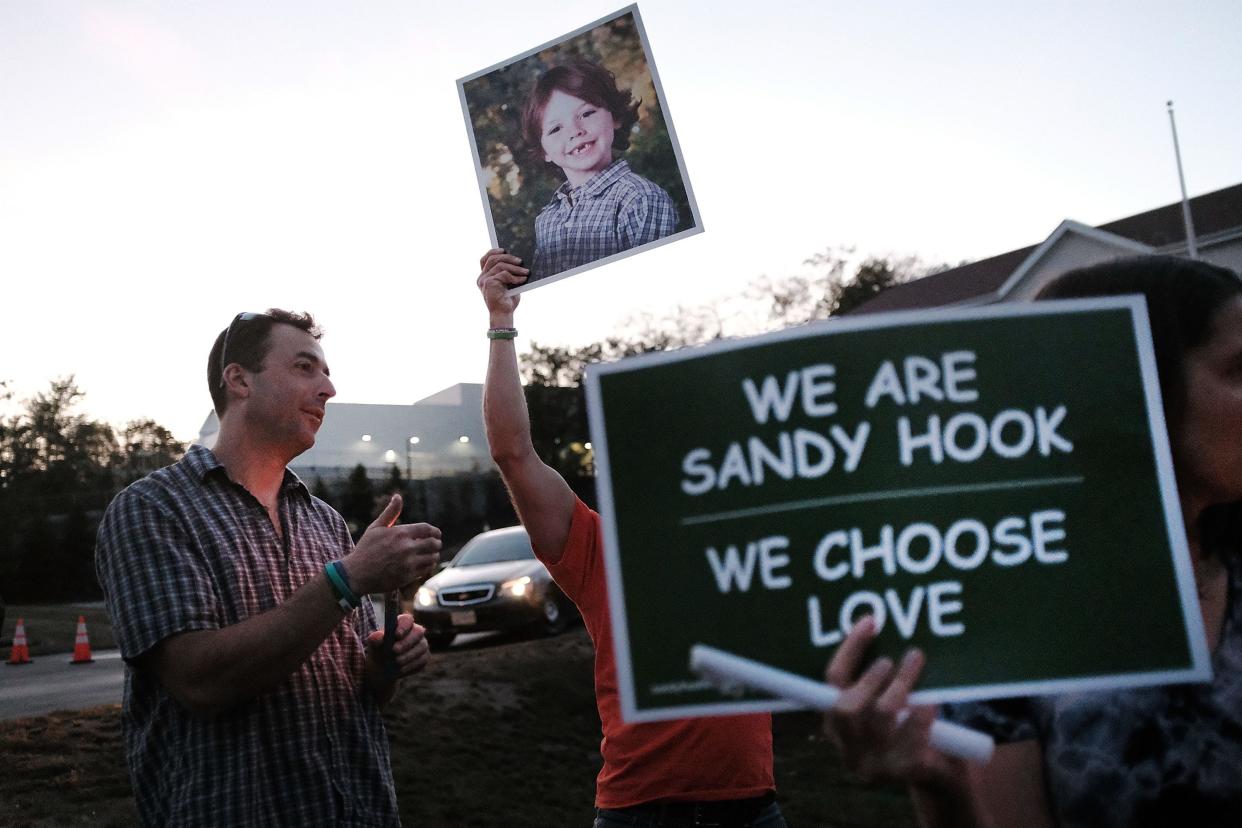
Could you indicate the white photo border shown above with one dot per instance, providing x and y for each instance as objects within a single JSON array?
[{"x": 694, "y": 229}]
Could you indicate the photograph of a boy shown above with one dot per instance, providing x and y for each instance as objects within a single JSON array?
[
  {"x": 579, "y": 121},
  {"x": 577, "y": 162}
]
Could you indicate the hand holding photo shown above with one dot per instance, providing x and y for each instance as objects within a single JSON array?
[{"x": 578, "y": 163}]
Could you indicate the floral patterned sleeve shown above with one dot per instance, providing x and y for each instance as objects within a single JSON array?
[{"x": 1005, "y": 720}]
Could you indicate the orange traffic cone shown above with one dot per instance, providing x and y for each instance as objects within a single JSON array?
[
  {"x": 81, "y": 644},
  {"x": 21, "y": 653}
]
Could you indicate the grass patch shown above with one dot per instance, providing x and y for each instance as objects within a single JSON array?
[
  {"x": 496, "y": 733},
  {"x": 74, "y": 775}
]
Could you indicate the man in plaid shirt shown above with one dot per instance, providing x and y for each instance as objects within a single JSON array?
[{"x": 254, "y": 677}]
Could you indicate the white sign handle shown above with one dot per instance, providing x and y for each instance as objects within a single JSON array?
[{"x": 726, "y": 671}]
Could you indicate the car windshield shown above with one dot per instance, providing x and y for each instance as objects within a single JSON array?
[{"x": 485, "y": 549}]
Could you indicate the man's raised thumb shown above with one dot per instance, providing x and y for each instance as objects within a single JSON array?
[{"x": 391, "y": 512}]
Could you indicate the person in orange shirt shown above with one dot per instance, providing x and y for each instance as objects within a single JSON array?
[{"x": 708, "y": 771}]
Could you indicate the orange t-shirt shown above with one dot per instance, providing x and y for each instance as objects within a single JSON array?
[{"x": 722, "y": 757}]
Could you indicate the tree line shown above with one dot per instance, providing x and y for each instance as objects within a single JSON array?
[
  {"x": 460, "y": 505},
  {"x": 59, "y": 468},
  {"x": 836, "y": 283}
]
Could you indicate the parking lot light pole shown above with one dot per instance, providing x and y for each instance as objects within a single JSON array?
[{"x": 409, "y": 458}]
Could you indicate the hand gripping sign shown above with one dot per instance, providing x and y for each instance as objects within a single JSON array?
[{"x": 992, "y": 485}]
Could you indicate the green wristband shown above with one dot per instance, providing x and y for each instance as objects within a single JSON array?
[
  {"x": 501, "y": 333},
  {"x": 344, "y": 595}
]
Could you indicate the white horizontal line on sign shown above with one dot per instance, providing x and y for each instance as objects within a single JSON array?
[{"x": 887, "y": 494}]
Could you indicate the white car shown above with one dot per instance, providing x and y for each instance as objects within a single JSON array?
[{"x": 494, "y": 583}]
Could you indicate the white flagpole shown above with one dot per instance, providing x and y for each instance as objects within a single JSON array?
[{"x": 1191, "y": 249}]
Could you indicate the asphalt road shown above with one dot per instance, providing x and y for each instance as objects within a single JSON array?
[{"x": 50, "y": 683}]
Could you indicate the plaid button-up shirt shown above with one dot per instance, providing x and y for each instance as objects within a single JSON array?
[
  {"x": 187, "y": 549},
  {"x": 616, "y": 210}
]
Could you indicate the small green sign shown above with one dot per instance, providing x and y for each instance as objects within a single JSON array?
[{"x": 993, "y": 484}]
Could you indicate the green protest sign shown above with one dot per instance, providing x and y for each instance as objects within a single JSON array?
[{"x": 994, "y": 485}]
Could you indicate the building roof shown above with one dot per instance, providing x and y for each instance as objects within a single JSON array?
[
  {"x": 1211, "y": 214},
  {"x": 1216, "y": 216},
  {"x": 437, "y": 423},
  {"x": 950, "y": 287}
]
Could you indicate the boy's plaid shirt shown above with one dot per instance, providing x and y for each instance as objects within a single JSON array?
[
  {"x": 616, "y": 210},
  {"x": 187, "y": 549}
]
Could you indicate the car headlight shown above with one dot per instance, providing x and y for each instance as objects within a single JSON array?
[
  {"x": 517, "y": 587},
  {"x": 425, "y": 597}
]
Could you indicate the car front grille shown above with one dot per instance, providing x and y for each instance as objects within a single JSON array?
[{"x": 461, "y": 596}]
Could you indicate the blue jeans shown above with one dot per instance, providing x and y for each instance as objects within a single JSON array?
[{"x": 770, "y": 817}]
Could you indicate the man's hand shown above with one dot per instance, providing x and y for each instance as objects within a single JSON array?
[
  {"x": 409, "y": 650},
  {"x": 389, "y": 557},
  {"x": 500, "y": 271}
]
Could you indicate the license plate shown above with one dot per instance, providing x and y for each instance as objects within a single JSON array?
[{"x": 465, "y": 618}]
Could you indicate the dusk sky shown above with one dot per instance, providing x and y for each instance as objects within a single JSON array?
[{"x": 166, "y": 165}]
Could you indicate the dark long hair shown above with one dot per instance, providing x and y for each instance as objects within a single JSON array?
[{"x": 1183, "y": 297}]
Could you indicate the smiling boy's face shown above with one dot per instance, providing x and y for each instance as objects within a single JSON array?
[{"x": 576, "y": 136}]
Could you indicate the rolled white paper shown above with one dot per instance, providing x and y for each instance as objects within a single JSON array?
[{"x": 726, "y": 669}]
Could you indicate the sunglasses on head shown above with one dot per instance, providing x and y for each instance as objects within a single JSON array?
[{"x": 245, "y": 316}]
